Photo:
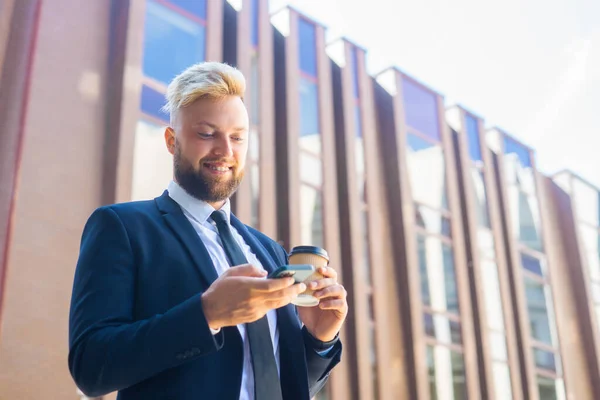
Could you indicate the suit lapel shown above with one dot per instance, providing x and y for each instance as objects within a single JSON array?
[{"x": 182, "y": 228}]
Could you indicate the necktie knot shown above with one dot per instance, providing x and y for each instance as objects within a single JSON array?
[{"x": 219, "y": 216}]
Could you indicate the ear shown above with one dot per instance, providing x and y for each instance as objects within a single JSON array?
[{"x": 170, "y": 139}]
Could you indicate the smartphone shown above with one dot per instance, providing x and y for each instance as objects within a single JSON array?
[{"x": 300, "y": 272}]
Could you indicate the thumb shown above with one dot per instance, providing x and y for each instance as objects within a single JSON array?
[{"x": 247, "y": 270}]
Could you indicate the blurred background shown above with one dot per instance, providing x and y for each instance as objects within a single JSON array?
[{"x": 444, "y": 153}]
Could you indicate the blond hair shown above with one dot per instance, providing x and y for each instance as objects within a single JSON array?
[{"x": 212, "y": 80}]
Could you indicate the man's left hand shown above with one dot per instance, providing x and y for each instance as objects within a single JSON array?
[{"x": 325, "y": 320}]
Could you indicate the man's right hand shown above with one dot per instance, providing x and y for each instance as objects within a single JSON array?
[{"x": 242, "y": 295}]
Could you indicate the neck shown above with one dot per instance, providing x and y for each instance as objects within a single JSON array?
[{"x": 217, "y": 205}]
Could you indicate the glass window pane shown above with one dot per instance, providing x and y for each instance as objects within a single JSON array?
[
  {"x": 311, "y": 169},
  {"x": 539, "y": 307},
  {"x": 421, "y": 109},
  {"x": 498, "y": 346},
  {"x": 309, "y": 116},
  {"x": 433, "y": 221},
  {"x": 438, "y": 280},
  {"x": 595, "y": 289},
  {"x": 446, "y": 371},
  {"x": 442, "y": 329},
  {"x": 431, "y": 373},
  {"x": 532, "y": 264},
  {"x": 254, "y": 21},
  {"x": 518, "y": 150},
  {"x": 307, "y": 47},
  {"x": 152, "y": 102},
  {"x": 254, "y": 105},
  {"x": 590, "y": 239},
  {"x": 171, "y": 43},
  {"x": 253, "y": 145},
  {"x": 525, "y": 216},
  {"x": 196, "y": 7},
  {"x": 492, "y": 295},
  {"x": 366, "y": 248},
  {"x": 544, "y": 359},
  {"x": 550, "y": 389},
  {"x": 152, "y": 163},
  {"x": 587, "y": 202},
  {"x": 311, "y": 216},
  {"x": 473, "y": 138},
  {"x": 254, "y": 191},
  {"x": 354, "y": 69},
  {"x": 502, "y": 383},
  {"x": 427, "y": 172},
  {"x": 485, "y": 241},
  {"x": 480, "y": 197}
]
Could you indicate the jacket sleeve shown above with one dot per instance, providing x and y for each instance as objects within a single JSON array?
[{"x": 108, "y": 349}]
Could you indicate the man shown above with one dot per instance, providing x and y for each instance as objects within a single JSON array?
[{"x": 170, "y": 299}]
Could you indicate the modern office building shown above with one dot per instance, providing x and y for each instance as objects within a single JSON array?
[{"x": 470, "y": 274}]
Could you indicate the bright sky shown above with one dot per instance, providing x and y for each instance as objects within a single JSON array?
[{"x": 530, "y": 67}]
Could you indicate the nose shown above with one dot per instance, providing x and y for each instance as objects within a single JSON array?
[{"x": 223, "y": 147}]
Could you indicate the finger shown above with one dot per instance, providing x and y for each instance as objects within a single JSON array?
[
  {"x": 321, "y": 283},
  {"x": 248, "y": 270},
  {"x": 273, "y": 285},
  {"x": 334, "y": 304},
  {"x": 328, "y": 272},
  {"x": 335, "y": 291},
  {"x": 291, "y": 291}
]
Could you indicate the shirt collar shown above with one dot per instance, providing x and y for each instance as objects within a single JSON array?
[{"x": 198, "y": 209}]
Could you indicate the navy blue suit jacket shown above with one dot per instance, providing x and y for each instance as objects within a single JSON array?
[{"x": 136, "y": 322}]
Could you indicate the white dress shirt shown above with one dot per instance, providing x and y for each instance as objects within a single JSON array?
[{"x": 198, "y": 213}]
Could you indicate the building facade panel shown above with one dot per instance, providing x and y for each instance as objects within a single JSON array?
[{"x": 492, "y": 310}]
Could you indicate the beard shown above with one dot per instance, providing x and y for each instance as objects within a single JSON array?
[{"x": 199, "y": 184}]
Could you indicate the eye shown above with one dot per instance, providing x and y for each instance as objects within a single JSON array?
[
  {"x": 237, "y": 139},
  {"x": 205, "y": 135}
]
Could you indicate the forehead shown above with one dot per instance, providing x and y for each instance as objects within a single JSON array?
[{"x": 222, "y": 113}]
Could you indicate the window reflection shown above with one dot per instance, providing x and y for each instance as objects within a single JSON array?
[
  {"x": 311, "y": 216},
  {"x": 590, "y": 238},
  {"x": 427, "y": 172},
  {"x": 485, "y": 241},
  {"x": 366, "y": 248},
  {"x": 171, "y": 42},
  {"x": 359, "y": 161},
  {"x": 532, "y": 264},
  {"x": 473, "y": 141},
  {"x": 438, "y": 280},
  {"x": 550, "y": 389},
  {"x": 152, "y": 163},
  {"x": 587, "y": 203},
  {"x": 433, "y": 221},
  {"x": 311, "y": 169},
  {"x": 525, "y": 217},
  {"x": 309, "y": 116},
  {"x": 498, "y": 346},
  {"x": 446, "y": 371},
  {"x": 539, "y": 307},
  {"x": 502, "y": 383},
  {"x": 254, "y": 193},
  {"x": 254, "y": 91},
  {"x": 492, "y": 295},
  {"x": 544, "y": 359},
  {"x": 442, "y": 329},
  {"x": 480, "y": 197},
  {"x": 420, "y": 109}
]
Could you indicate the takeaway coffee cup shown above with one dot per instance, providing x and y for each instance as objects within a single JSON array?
[{"x": 315, "y": 256}]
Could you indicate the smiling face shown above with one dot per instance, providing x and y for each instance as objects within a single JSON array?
[{"x": 209, "y": 142}]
